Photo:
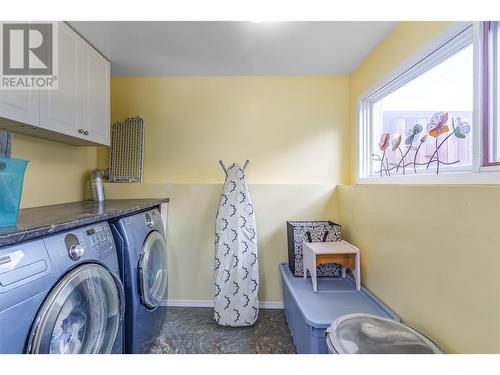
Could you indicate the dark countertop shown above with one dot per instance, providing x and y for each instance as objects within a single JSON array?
[{"x": 39, "y": 221}]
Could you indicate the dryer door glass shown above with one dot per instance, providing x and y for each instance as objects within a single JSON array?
[
  {"x": 153, "y": 270},
  {"x": 81, "y": 314}
]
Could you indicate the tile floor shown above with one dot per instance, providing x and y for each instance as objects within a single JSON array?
[{"x": 189, "y": 330}]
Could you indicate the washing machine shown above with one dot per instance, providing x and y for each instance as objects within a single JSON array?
[
  {"x": 62, "y": 294},
  {"x": 140, "y": 242}
]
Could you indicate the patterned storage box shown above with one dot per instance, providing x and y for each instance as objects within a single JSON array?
[{"x": 311, "y": 231}]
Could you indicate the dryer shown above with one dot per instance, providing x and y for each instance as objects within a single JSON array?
[
  {"x": 140, "y": 241},
  {"x": 62, "y": 294}
]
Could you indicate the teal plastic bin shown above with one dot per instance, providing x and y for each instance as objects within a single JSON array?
[{"x": 11, "y": 188}]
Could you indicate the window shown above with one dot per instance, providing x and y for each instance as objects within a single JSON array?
[
  {"x": 421, "y": 124},
  {"x": 442, "y": 96}
]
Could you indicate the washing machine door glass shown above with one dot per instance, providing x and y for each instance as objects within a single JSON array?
[
  {"x": 153, "y": 270},
  {"x": 82, "y": 314}
]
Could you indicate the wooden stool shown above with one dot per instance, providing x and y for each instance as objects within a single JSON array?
[{"x": 339, "y": 252}]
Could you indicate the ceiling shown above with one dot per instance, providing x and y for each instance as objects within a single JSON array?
[{"x": 218, "y": 48}]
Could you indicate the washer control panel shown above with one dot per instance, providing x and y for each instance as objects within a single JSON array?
[
  {"x": 92, "y": 241},
  {"x": 99, "y": 236}
]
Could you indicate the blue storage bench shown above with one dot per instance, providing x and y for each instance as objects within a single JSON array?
[{"x": 309, "y": 314}]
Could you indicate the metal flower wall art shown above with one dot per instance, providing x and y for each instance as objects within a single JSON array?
[{"x": 405, "y": 157}]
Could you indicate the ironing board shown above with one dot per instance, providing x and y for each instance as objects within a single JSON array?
[{"x": 236, "y": 261}]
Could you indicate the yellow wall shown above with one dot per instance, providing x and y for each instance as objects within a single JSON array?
[
  {"x": 191, "y": 226},
  {"x": 284, "y": 125},
  {"x": 294, "y": 130},
  {"x": 431, "y": 253},
  {"x": 56, "y": 173}
]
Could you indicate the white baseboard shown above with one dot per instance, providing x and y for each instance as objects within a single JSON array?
[
  {"x": 187, "y": 303},
  {"x": 210, "y": 303},
  {"x": 271, "y": 305}
]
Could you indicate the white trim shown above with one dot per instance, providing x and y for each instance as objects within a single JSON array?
[
  {"x": 490, "y": 168},
  {"x": 455, "y": 37},
  {"x": 488, "y": 176},
  {"x": 187, "y": 303},
  {"x": 271, "y": 305},
  {"x": 210, "y": 303},
  {"x": 492, "y": 76},
  {"x": 477, "y": 143}
]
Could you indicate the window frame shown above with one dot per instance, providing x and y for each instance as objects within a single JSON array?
[
  {"x": 489, "y": 95},
  {"x": 453, "y": 39}
]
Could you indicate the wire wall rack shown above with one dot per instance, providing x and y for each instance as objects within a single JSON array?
[{"x": 127, "y": 150}]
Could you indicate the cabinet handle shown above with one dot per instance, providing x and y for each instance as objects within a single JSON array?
[{"x": 84, "y": 132}]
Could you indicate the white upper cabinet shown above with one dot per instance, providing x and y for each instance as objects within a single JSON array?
[
  {"x": 77, "y": 112},
  {"x": 60, "y": 109},
  {"x": 96, "y": 97},
  {"x": 19, "y": 105}
]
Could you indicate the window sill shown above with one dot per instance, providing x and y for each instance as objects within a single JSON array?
[
  {"x": 487, "y": 176},
  {"x": 490, "y": 169}
]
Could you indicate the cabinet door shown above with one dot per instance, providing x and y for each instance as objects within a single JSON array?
[
  {"x": 20, "y": 105},
  {"x": 60, "y": 109},
  {"x": 96, "y": 103}
]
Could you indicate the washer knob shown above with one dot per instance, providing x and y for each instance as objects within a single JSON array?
[{"x": 76, "y": 252}]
